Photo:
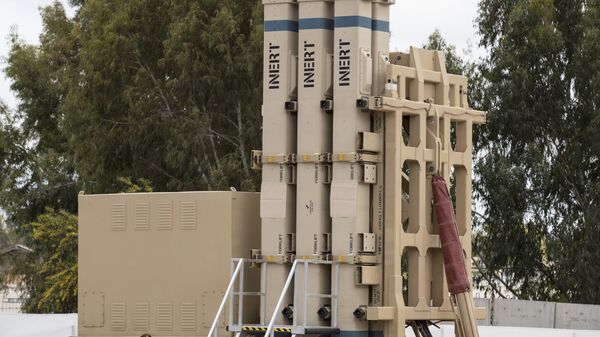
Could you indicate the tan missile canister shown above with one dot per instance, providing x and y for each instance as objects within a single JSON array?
[
  {"x": 315, "y": 92},
  {"x": 373, "y": 141},
  {"x": 278, "y": 190},
  {"x": 350, "y": 193}
]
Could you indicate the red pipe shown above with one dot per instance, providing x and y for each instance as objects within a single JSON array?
[{"x": 454, "y": 258}]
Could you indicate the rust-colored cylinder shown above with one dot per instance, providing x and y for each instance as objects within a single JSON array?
[{"x": 454, "y": 259}]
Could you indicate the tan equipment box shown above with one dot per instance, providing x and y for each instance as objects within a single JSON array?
[{"x": 159, "y": 263}]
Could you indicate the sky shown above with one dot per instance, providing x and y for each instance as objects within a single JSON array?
[
  {"x": 24, "y": 16},
  {"x": 412, "y": 21}
]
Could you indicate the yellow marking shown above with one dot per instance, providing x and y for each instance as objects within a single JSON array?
[{"x": 263, "y": 329}]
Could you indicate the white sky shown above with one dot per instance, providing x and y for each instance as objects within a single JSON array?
[
  {"x": 411, "y": 23},
  {"x": 24, "y": 16}
]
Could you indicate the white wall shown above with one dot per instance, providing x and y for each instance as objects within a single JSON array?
[
  {"x": 20, "y": 325},
  {"x": 66, "y": 325},
  {"x": 494, "y": 331}
]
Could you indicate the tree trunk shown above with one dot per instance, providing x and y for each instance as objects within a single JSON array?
[{"x": 242, "y": 144}]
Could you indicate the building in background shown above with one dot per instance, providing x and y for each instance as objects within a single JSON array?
[{"x": 11, "y": 299}]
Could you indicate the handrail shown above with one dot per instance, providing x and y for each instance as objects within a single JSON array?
[
  {"x": 213, "y": 328},
  {"x": 281, "y": 297}
]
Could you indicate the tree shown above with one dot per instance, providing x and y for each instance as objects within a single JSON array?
[
  {"x": 165, "y": 91},
  {"x": 454, "y": 62},
  {"x": 6, "y": 239},
  {"x": 37, "y": 165},
  {"x": 125, "y": 96},
  {"x": 48, "y": 276},
  {"x": 161, "y": 90},
  {"x": 537, "y": 170}
]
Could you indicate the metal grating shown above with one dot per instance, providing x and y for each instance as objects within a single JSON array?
[
  {"x": 188, "y": 215},
  {"x": 141, "y": 317},
  {"x": 118, "y": 312},
  {"x": 164, "y": 317},
  {"x": 188, "y": 316},
  {"x": 165, "y": 216},
  {"x": 142, "y": 216},
  {"x": 119, "y": 217}
]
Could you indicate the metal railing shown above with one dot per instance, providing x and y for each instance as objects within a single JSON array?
[
  {"x": 288, "y": 282},
  {"x": 236, "y": 272},
  {"x": 333, "y": 296},
  {"x": 241, "y": 293},
  {"x": 302, "y": 329},
  {"x": 237, "y": 268}
]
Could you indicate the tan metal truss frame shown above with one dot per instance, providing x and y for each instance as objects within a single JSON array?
[{"x": 428, "y": 129}]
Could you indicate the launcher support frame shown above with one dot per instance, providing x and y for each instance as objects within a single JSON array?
[{"x": 421, "y": 98}]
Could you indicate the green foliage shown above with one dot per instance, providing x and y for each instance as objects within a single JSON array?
[
  {"x": 164, "y": 93},
  {"x": 48, "y": 276},
  {"x": 454, "y": 63},
  {"x": 7, "y": 238},
  {"x": 129, "y": 186},
  {"x": 4, "y": 240},
  {"x": 537, "y": 176}
]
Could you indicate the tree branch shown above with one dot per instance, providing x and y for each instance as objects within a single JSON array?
[
  {"x": 142, "y": 64},
  {"x": 499, "y": 278},
  {"x": 242, "y": 146},
  {"x": 161, "y": 170},
  {"x": 486, "y": 276}
]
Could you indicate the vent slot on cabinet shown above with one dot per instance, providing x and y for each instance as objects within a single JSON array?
[
  {"x": 141, "y": 318},
  {"x": 188, "y": 215},
  {"x": 188, "y": 316},
  {"x": 142, "y": 216},
  {"x": 164, "y": 317},
  {"x": 118, "y": 217},
  {"x": 118, "y": 313},
  {"x": 165, "y": 216}
]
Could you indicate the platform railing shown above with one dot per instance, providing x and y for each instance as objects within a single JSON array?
[
  {"x": 238, "y": 269},
  {"x": 297, "y": 328},
  {"x": 288, "y": 282}
]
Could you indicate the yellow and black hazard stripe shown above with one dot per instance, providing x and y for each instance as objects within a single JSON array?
[{"x": 264, "y": 329}]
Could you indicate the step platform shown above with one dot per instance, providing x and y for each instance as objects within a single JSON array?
[{"x": 295, "y": 330}]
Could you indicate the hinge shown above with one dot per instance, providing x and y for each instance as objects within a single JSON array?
[{"x": 369, "y": 173}]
